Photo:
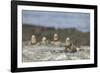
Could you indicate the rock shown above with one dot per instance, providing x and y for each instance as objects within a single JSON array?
[{"x": 49, "y": 52}]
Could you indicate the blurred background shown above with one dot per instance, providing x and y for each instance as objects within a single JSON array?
[{"x": 65, "y": 24}]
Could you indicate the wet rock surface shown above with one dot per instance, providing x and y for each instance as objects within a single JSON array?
[{"x": 39, "y": 53}]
